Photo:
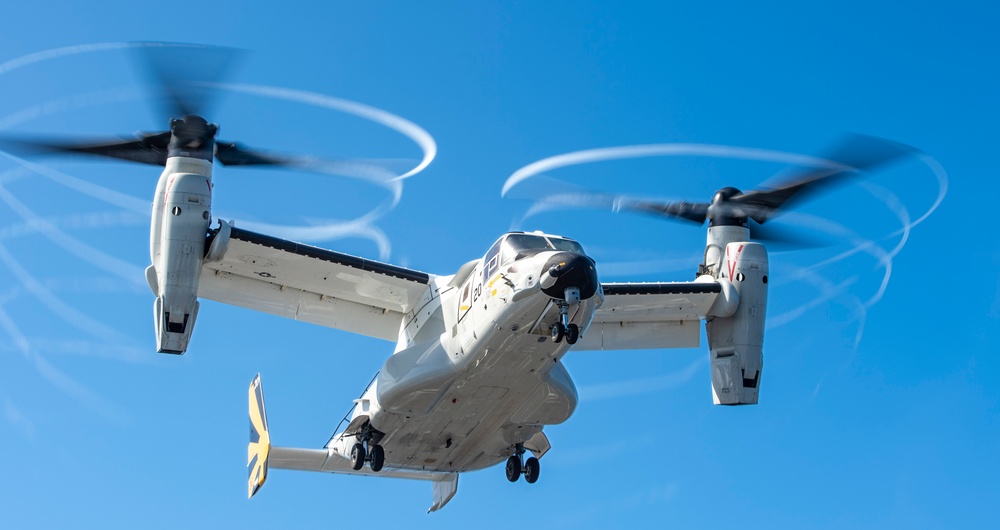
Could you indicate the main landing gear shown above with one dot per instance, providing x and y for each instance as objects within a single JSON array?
[
  {"x": 563, "y": 329},
  {"x": 374, "y": 455},
  {"x": 515, "y": 468}
]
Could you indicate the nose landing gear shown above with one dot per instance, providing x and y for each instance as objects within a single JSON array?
[
  {"x": 513, "y": 468},
  {"x": 563, "y": 329},
  {"x": 530, "y": 468}
]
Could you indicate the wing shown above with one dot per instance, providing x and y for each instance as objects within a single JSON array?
[
  {"x": 638, "y": 316},
  {"x": 313, "y": 285}
]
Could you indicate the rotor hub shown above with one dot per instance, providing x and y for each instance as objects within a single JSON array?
[
  {"x": 192, "y": 136},
  {"x": 725, "y": 194},
  {"x": 722, "y": 212}
]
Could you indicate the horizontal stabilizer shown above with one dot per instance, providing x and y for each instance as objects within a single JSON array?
[{"x": 329, "y": 461}]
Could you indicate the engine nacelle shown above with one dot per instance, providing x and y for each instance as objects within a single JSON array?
[
  {"x": 736, "y": 342},
  {"x": 182, "y": 225}
]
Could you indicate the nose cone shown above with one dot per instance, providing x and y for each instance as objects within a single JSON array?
[{"x": 569, "y": 269}]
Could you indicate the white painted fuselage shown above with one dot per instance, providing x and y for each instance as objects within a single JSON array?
[{"x": 475, "y": 371}]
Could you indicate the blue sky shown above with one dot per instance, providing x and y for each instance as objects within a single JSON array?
[{"x": 878, "y": 406}]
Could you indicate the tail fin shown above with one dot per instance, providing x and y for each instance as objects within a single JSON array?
[{"x": 259, "y": 447}]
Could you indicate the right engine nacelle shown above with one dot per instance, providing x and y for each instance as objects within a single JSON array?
[{"x": 736, "y": 342}]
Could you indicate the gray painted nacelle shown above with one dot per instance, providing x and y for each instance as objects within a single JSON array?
[
  {"x": 736, "y": 340},
  {"x": 181, "y": 217}
]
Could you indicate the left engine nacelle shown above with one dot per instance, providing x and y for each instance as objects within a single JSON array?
[{"x": 183, "y": 220}]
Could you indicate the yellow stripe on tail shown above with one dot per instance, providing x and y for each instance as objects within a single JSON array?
[{"x": 260, "y": 440}]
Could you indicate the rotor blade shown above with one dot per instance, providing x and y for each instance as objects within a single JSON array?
[
  {"x": 182, "y": 73},
  {"x": 232, "y": 154},
  {"x": 146, "y": 149},
  {"x": 694, "y": 212},
  {"x": 548, "y": 193},
  {"x": 856, "y": 153},
  {"x": 551, "y": 192},
  {"x": 376, "y": 171},
  {"x": 783, "y": 238}
]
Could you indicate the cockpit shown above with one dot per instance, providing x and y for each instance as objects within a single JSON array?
[
  {"x": 514, "y": 246},
  {"x": 517, "y": 245}
]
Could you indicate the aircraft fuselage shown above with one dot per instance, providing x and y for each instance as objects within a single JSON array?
[{"x": 476, "y": 371}]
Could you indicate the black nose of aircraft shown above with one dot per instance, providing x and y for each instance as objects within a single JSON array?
[{"x": 569, "y": 269}]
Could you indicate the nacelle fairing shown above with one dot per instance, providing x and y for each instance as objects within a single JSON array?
[
  {"x": 181, "y": 217},
  {"x": 736, "y": 342}
]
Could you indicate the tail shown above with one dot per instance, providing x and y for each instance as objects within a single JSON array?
[{"x": 259, "y": 447}]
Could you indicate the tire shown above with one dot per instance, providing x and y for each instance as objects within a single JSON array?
[
  {"x": 531, "y": 469},
  {"x": 513, "y": 468},
  {"x": 558, "y": 332},
  {"x": 572, "y": 333},
  {"x": 358, "y": 456},
  {"x": 377, "y": 458}
]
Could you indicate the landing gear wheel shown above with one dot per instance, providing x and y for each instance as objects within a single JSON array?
[
  {"x": 531, "y": 469},
  {"x": 558, "y": 332},
  {"x": 572, "y": 333},
  {"x": 377, "y": 458},
  {"x": 513, "y": 468},
  {"x": 358, "y": 456}
]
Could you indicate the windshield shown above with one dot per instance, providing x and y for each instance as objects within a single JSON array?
[{"x": 516, "y": 245}]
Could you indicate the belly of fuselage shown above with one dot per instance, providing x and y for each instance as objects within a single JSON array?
[{"x": 506, "y": 385}]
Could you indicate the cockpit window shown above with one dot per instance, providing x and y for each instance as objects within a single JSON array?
[
  {"x": 566, "y": 244},
  {"x": 523, "y": 244}
]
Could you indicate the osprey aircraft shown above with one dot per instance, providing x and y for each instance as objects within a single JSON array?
[{"x": 474, "y": 369}]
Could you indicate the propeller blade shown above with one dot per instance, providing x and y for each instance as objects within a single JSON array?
[
  {"x": 376, "y": 171},
  {"x": 857, "y": 153},
  {"x": 548, "y": 192},
  {"x": 233, "y": 154},
  {"x": 145, "y": 149},
  {"x": 183, "y": 74},
  {"x": 694, "y": 212},
  {"x": 784, "y": 238}
]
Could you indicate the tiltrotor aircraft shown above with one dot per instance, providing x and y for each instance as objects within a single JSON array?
[{"x": 476, "y": 372}]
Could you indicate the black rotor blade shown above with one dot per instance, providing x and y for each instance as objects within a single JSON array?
[
  {"x": 233, "y": 154},
  {"x": 694, "y": 212},
  {"x": 183, "y": 74},
  {"x": 856, "y": 152},
  {"x": 784, "y": 238},
  {"x": 376, "y": 171},
  {"x": 146, "y": 149},
  {"x": 549, "y": 191}
]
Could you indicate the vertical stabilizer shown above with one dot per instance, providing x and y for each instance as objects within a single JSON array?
[{"x": 259, "y": 447}]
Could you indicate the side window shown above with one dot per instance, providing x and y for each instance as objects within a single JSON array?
[
  {"x": 493, "y": 266},
  {"x": 491, "y": 262},
  {"x": 464, "y": 301}
]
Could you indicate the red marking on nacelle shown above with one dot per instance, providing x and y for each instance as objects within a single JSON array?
[{"x": 732, "y": 262}]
